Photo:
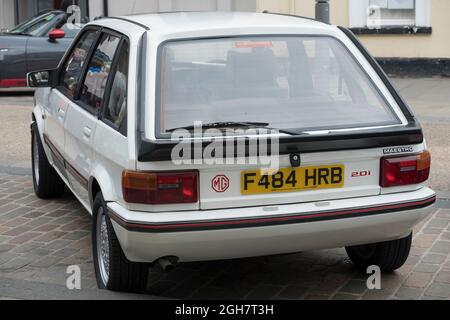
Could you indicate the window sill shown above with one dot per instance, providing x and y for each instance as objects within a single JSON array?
[{"x": 393, "y": 30}]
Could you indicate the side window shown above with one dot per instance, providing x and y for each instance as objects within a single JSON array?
[
  {"x": 71, "y": 71},
  {"x": 93, "y": 89},
  {"x": 116, "y": 110}
]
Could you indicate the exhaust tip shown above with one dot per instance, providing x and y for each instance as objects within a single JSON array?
[{"x": 167, "y": 264}]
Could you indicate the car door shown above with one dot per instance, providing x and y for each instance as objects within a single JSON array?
[
  {"x": 43, "y": 54},
  {"x": 13, "y": 60},
  {"x": 110, "y": 139},
  {"x": 84, "y": 111},
  {"x": 58, "y": 101}
]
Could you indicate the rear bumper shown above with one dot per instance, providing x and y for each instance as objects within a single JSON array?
[{"x": 247, "y": 232}]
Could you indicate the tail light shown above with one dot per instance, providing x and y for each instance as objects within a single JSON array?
[
  {"x": 399, "y": 171},
  {"x": 160, "y": 188}
]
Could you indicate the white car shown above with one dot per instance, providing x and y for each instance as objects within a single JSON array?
[{"x": 115, "y": 123}]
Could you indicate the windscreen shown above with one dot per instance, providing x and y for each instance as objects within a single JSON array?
[
  {"x": 301, "y": 83},
  {"x": 35, "y": 26}
]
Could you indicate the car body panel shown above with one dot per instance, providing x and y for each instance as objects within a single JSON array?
[
  {"x": 254, "y": 242},
  {"x": 13, "y": 60},
  {"x": 109, "y": 162},
  {"x": 55, "y": 117},
  {"x": 43, "y": 54},
  {"x": 79, "y": 149}
]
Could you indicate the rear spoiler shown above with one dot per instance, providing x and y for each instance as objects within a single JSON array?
[{"x": 161, "y": 150}]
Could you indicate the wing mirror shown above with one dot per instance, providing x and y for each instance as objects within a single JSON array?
[
  {"x": 41, "y": 79},
  {"x": 56, "y": 34}
]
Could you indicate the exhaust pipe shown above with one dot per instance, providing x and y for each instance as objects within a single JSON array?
[{"x": 167, "y": 264}]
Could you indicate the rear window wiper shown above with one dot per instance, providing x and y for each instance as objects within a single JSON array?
[
  {"x": 233, "y": 124},
  {"x": 224, "y": 124}
]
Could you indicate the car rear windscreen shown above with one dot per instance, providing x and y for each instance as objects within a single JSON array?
[{"x": 292, "y": 82}]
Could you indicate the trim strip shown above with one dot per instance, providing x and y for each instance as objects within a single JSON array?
[
  {"x": 267, "y": 221},
  {"x": 81, "y": 180},
  {"x": 130, "y": 21},
  {"x": 66, "y": 165},
  {"x": 55, "y": 153},
  {"x": 12, "y": 83}
]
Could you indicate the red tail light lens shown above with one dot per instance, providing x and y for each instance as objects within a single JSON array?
[
  {"x": 160, "y": 188},
  {"x": 399, "y": 171}
]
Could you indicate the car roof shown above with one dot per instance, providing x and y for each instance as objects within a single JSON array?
[{"x": 173, "y": 22}]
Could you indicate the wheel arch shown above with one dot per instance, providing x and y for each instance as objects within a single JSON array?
[
  {"x": 101, "y": 181},
  {"x": 94, "y": 189},
  {"x": 36, "y": 118}
]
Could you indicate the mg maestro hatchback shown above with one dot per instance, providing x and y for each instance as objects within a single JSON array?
[{"x": 207, "y": 136}]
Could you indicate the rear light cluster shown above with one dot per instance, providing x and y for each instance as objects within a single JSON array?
[
  {"x": 399, "y": 171},
  {"x": 160, "y": 188}
]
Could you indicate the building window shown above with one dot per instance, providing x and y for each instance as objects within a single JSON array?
[
  {"x": 395, "y": 16},
  {"x": 391, "y": 13}
]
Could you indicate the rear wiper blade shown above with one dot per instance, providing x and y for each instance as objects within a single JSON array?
[
  {"x": 234, "y": 124},
  {"x": 224, "y": 124}
]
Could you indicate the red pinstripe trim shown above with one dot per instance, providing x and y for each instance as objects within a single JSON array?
[
  {"x": 206, "y": 224},
  {"x": 7, "y": 83}
]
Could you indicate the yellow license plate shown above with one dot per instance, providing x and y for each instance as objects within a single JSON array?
[{"x": 292, "y": 179}]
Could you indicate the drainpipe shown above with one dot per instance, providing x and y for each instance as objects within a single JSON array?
[
  {"x": 16, "y": 12},
  {"x": 323, "y": 11},
  {"x": 105, "y": 8}
]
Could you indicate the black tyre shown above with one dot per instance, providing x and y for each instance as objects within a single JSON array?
[
  {"x": 388, "y": 256},
  {"x": 46, "y": 181},
  {"x": 112, "y": 269}
]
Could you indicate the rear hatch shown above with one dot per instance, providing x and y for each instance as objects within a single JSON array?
[{"x": 329, "y": 106}]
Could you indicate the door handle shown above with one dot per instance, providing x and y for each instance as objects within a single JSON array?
[
  {"x": 87, "y": 132},
  {"x": 61, "y": 113}
]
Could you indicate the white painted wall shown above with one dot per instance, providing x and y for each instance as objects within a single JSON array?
[
  {"x": 121, "y": 7},
  {"x": 6, "y": 14}
]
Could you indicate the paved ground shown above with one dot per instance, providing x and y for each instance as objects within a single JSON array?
[
  {"x": 15, "y": 129},
  {"x": 430, "y": 100},
  {"x": 40, "y": 239}
]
